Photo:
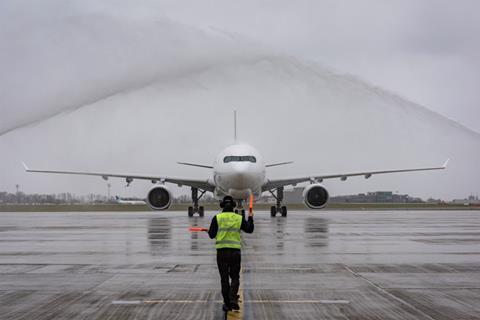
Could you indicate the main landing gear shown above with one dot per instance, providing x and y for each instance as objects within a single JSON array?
[
  {"x": 196, "y": 208},
  {"x": 278, "y": 208}
]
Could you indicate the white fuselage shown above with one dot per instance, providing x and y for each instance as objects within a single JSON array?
[{"x": 239, "y": 171}]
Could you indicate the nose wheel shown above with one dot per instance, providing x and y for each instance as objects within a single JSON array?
[
  {"x": 192, "y": 210},
  {"x": 282, "y": 210},
  {"x": 196, "y": 208},
  {"x": 278, "y": 208}
]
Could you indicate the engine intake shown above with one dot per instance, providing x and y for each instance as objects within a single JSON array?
[
  {"x": 159, "y": 198},
  {"x": 315, "y": 196}
]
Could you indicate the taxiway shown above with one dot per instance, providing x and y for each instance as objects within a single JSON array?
[{"x": 311, "y": 265}]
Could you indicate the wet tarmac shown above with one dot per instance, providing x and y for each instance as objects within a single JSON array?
[{"x": 311, "y": 265}]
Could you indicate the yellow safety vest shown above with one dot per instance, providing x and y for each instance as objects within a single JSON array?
[{"x": 228, "y": 234}]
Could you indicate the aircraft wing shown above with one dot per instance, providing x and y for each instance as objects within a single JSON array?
[
  {"x": 201, "y": 184},
  {"x": 272, "y": 184}
]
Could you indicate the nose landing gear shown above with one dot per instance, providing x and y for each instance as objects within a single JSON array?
[
  {"x": 196, "y": 208},
  {"x": 278, "y": 208},
  {"x": 240, "y": 210}
]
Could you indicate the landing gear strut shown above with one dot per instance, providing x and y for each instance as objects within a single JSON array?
[
  {"x": 240, "y": 210},
  {"x": 278, "y": 208},
  {"x": 196, "y": 209}
]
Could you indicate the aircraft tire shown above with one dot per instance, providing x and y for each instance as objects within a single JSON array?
[
  {"x": 283, "y": 210},
  {"x": 190, "y": 211},
  {"x": 273, "y": 211},
  {"x": 201, "y": 211}
]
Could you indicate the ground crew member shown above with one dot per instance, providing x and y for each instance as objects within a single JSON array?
[{"x": 225, "y": 228}]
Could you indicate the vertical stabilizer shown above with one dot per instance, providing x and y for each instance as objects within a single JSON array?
[{"x": 235, "y": 125}]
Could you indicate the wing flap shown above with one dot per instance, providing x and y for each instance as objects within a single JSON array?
[
  {"x": 271, "y": 184},
  {"x": 201, "y": 184}
]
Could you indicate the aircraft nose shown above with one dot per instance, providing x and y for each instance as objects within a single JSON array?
[
  {"x": 240, "y": 167},
  {"x": 242, "y": 174}
]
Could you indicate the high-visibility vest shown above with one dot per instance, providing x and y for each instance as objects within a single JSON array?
[{"x": 228, "y": 234}]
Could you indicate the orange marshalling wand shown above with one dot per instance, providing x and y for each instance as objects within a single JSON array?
[
  {"x": 250, "y": 206},
  {"x": 197, "y": 229}
]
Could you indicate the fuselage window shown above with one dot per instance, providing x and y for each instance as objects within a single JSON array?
[{"x": 228, "y": 159}]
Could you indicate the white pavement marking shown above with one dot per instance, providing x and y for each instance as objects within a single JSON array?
[
  {"x": 386, "y": 292},
  {"x": 132, "y": 302}
]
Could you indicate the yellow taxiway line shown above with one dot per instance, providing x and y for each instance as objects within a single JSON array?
[{"x": 238, "y": 315}]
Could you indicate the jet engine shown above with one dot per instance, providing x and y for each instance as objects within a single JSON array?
[
  {"x": 315, "y": 196},
  {"x": 159, "y": 198}
]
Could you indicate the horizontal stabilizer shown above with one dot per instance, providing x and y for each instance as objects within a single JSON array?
[
  {"x": 278, "y": 164},
  {"x": 195, "y": 165}
]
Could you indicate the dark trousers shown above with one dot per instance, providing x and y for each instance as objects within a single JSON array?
[{"x": 228, "y": 261}]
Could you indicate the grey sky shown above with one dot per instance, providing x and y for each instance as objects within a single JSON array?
[{"x": 426, "y": 50}]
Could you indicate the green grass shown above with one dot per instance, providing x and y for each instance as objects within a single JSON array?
[{"x": 210, "y": 207}]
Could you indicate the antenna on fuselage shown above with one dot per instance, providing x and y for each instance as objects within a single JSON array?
[{"x": 235, "y": 125}]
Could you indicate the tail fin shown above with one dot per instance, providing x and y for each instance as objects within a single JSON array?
[{"x": 235, "y": 125}]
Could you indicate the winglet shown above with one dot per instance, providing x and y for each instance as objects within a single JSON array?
[
  {"x": 25, "y": 166},
  {"x": 446, "y": 164}
]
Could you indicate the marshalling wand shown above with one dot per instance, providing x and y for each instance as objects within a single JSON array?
[
  {"x": 197, "y": 229},
  {"x": 250, "y": 206}
]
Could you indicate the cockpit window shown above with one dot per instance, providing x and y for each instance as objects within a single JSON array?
[{"x": 228, "y": 159}]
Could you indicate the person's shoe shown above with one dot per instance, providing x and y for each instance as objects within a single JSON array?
[
  {"x": 234, "y": 306},
  {"x": 226, "y": 308}
]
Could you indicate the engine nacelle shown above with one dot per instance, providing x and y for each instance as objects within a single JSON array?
[
  {"x": 159, "y": 198},
  {"x": 315, "y": 196}
]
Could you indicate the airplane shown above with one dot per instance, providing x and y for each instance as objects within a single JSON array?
[
  {"x": 239, "y": 171},
  {"x": 129, "y": 200}
]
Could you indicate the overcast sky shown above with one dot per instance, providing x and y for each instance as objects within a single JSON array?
[{"x": 425, "y": 50}]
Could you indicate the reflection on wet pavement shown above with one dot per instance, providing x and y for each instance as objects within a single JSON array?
[
  {"x": 159, "y": 235},
  {"x": 279, "y": 232},
  {"x": 316, "y": 232},
  {"x": 311, "y": 265}
]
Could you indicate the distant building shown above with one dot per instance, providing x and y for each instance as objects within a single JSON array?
[
  {"x": 473, "y": 199},
  {"x": 376, "y": 197},
  {"x": 470, "y": 200},
  {"x": 296, "y": 196},
  {"x": 267, "y": 199},
  {"x": 293, "y": 196}
]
